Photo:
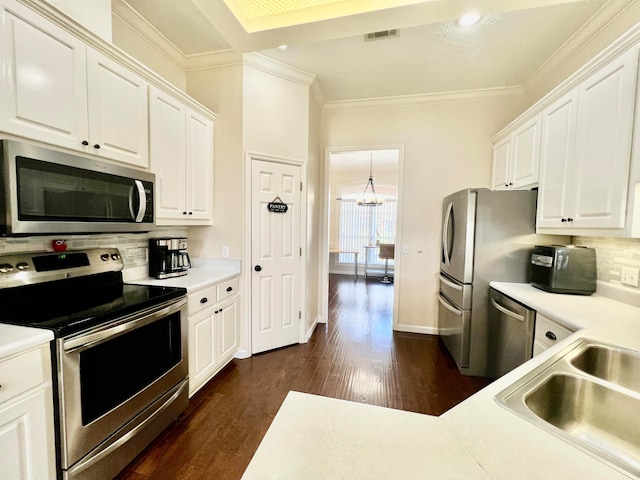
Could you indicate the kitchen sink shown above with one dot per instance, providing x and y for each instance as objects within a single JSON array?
[
  {"x": 588, "y": 396},
  {"x": 613, "y": 364}
]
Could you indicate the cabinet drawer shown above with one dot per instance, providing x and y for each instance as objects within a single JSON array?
[
  {"x": 198, "y": 301},
  {"x": 21, "y": 373},
  {"x": 228, "y": 288},
  {"x": 548, "y": 332}
]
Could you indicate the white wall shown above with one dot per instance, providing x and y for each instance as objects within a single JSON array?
[
  {"x": 220, "y": 89},
  {"x": 276, "y": 115},
  {"x": 446, "y": 148},
  {"x": 313, "y": 187}
]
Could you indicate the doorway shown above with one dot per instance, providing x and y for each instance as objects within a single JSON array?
[{"x": 359, "y": 230}]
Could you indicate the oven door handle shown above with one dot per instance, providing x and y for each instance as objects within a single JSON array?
[{"x": 125, "y": 324}]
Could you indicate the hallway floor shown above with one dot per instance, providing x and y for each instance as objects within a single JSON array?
[{"x": 355, "y": 356}]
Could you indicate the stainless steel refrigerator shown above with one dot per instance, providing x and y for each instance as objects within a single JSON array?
[{"x": 486, "y": 236}]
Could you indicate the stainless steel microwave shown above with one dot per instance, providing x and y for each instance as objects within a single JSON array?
[{"x": 44, "y": 191}]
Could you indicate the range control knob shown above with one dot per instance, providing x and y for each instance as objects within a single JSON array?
[
  {"x": 115, "y": 256},
  {"x": 23, "y": 266},
  {"x": 104, "y": 257},
  {"x": 6, "y": 268}
]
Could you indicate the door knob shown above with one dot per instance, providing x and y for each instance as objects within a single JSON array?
[{"x": 257, "y": 268}]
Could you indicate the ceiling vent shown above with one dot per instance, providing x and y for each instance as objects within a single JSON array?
[{"x": 382, "y": 35}]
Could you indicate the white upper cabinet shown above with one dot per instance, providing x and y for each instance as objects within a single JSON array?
[
  {"x": 118, "y": 111},
  {"x": 57, "y": 90},
  {"x": 43, "y": 88},
  {"x": 516, "y": 157},
  {"x": 558, "y": 145},
  {"x": 586, "y": 152},
  {"x": 182, "y": 159}
]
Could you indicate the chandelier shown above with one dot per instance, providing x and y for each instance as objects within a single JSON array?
[{"x": 369, "y": 197}]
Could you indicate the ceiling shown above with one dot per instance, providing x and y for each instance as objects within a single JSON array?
[{"x": 431, "y": 53}]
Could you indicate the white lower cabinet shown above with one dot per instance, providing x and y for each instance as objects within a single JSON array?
[
  {"x": 27, "y": 439},
  {"x": 547, "y": 334},
  {"x": 213, "y": 331}
]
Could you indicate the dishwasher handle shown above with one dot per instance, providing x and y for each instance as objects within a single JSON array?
[{"x": 506, "y": 311}]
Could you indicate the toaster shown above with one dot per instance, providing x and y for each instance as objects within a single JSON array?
[{"x": 563, "y": 269}]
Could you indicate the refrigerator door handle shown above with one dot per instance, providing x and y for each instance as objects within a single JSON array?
[
  {"x": 506, "y": 311},
  {"x": 450, "y": 308},
  {"x": 448, "y": 283},
  {"x": 445, "y": 235}
]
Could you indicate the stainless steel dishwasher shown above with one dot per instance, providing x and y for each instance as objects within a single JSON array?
[{"x": 511, "y": 327}]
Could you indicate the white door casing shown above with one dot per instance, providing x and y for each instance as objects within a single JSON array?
[{"x": 275, "y": 256}]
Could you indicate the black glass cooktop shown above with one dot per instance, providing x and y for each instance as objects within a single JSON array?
[{"x": 76, "y": 304}]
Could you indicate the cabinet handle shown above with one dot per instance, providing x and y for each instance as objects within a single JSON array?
[
  {"x": 229, "y": 289},
  {"x": 510, "y": 183},
  {"x": 569, "y": 219},
  {"x": 96, "y": 146},
  {"x": 216, "y": 312},
  {"x": 85, "y": 143},
  {"x": 204, "y": 300},
  {"x": 563, "y": 220},
  {"x": 184, "y": 213},
  {"x": 190, "y": 213},
  {"x": 551, "y": 336},
  {"x": 506, "y": 184}
]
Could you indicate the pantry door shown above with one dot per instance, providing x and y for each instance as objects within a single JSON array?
[{"x": 275, "y": 255}]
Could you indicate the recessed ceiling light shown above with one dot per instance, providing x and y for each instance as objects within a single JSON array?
[
  {"x": 469, "y": 19},
  {"x": 283, "y": 47}
]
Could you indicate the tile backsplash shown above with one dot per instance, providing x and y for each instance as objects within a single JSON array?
[
  {"x": 133, "y": 246},
  {"x": 611, "y": 255}
]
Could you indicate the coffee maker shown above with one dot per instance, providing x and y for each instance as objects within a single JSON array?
[{"x": 168, "y": 257}]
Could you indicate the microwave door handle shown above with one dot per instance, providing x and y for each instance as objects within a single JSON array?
[
  {"x": 445, "y": 235},
  {"x": 142, "y": 201}
]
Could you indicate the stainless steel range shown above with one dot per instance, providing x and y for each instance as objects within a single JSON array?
[{"x": 119, "y": 354}]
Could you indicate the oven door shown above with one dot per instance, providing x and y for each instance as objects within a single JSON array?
[{"x": 109, "y": 375}]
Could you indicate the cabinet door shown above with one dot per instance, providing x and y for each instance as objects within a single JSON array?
[
  {"x": 43, "y": 85},
  {"x": 202, "y": 357},
  {"x": 603, "y": 144},
  {"x": 501, "y": 154},
  {"x": 228, "y": 337},
  {"x": 199, "y": 153},
  {"x": 557, "y": 149},
  {"x": 26, "y": 436},
  {"x": 118, "y": 111},
  {"x": 167, "y": 139},
  {"x": 526, "y": 155}
]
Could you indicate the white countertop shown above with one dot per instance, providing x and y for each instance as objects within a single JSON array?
[
  {"x": 204, "y": 272},
  {"x": 15, "y": 339},
  {"x": 312, "y": 438}
]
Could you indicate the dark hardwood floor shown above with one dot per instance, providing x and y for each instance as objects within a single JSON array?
[{"x": 355, "y": 356}]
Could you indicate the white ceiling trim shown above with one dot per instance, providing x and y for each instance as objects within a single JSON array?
[
  {"x": 147, "y": 32},
  {"x": 604, "y": 16},
  {"x": 279, "y": 69},
  {"x": 423, "y": 99}
]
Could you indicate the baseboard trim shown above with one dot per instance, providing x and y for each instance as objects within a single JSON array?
[
  {"x": 416, "y": 329},
  {"x": 312, "y": 328}
]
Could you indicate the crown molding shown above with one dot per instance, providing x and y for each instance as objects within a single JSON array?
[
  {"x": 279, "y": 69},
  {"x": 423, "y": 99},
  {"x": 121, "y": 10},
  {"x": 211, "y": 60},
  {"x": 598, "y": 21}
]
